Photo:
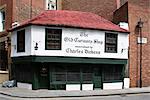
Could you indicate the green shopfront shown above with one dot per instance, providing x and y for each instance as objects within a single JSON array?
[{"x": 57, "y": 73}]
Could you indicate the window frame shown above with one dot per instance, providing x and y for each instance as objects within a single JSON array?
[
  {"x": 3, "y": 12},
  {"x": 18, "y": 43},
  {"x": 48, "y": 5},
  {"x": 111, "y": 44},
  {"x": 113, "y": 73},
  {"x": 60, "y": 39}
]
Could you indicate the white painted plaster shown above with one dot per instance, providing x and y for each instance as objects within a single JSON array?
[
  {"x": 38, "y": 36},
  {"x": 24, "y": 85},
  {"x": 70, "y": 87},
  {"x": 124, "y": 25},
  {"x": 27, "y": 43},
  {"x": 116, "y": 85},
  {"x": 126, "y": 82},
  {"x": 87, "y": 86}
]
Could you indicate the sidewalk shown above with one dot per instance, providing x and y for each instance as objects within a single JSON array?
[{"x": 25, "y": 93}]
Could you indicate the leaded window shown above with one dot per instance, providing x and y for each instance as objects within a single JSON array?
[
  {"x": 21, "y": 41},
  {"x": 53, "y": 39},
  {"x": 111, "y": 42}
]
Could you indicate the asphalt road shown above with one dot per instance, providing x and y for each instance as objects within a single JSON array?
[{"x": 145, "y": 96}]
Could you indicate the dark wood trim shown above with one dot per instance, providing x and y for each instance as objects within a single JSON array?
[{"x": 67, "y": 60}]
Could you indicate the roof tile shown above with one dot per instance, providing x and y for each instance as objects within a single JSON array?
[{"x": 72, "y": 19}]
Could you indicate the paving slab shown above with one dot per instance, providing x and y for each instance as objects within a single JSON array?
[{"x": 26, "y": 93}]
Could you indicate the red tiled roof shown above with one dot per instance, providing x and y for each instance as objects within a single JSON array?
[{"x": 78, "y": 19}]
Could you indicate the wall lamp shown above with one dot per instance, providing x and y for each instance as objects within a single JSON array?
[
  {"x": 36, "y": 46},
  {"x": 140, "y": 23}
]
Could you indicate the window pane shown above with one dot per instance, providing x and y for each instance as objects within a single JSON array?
[
  {"x": 51, "y": 4},
  {"x": 53, "y": 39},
  {"x": 111, "y": 42},
  {"x": 112, "y": 73},
  {"x": 87, "y": 74}
]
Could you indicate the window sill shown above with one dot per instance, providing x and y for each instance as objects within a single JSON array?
[
  {"x": 2, "y": 31},
  {"x": 3, "y": 72}
]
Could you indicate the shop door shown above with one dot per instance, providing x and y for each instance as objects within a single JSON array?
[
  {"x": 43, "y": 77},
  {"x": 97, "y": 78}
]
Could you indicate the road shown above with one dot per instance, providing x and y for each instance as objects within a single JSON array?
[{"x": 145, "y": 96}]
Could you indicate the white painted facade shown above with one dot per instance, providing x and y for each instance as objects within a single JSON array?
[
  {"x": 24, "y": 85},
  {"x": 75, "y": 43},
  {"x": 116, "y": 85},
  {"x": 27, "y": 43},
  {"x": 87, "y": 86},
  {"x": 70, "y": 87}
]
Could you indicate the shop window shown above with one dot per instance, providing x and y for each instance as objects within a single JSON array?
[
  {"x": 59, "y": 74},
  {"x": 3, "y": 57},
  {"x": 23, "y": 73},
  {"x": 112, "y": 73},
  {"x": 53, "y": 39},
  {"x": 111, "y": 42},
  {"x": 2, "y": 20},
  {"x": 21, "y": 41},
  {"x": 51, "y": 4},
  {"x": 73, "y": 74},
  {"x": 87, "y": 75}
]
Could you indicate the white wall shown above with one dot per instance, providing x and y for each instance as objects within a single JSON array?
[
  {"x": 27, "y": 43},
  {"x": 69, "y": 43},
  {"x": 24, "y": 85},
  {"x": 117, "y": 85},
  {"x": 72, "y": 87}
]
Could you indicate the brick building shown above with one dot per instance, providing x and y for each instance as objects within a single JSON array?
[
  {"x": 5, "y": 23},
  {"x": 131, "y": 12}
]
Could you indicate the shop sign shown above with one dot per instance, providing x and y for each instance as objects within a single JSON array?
[{"x": 83, "y": 43}]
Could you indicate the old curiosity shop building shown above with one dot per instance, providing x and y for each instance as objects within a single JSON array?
[{"x": 69, "y": 50}]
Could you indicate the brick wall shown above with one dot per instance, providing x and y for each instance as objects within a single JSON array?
[
  {"x": 139, "y": 9},
  {"x": 22, "y": 9},
  {"x": 104, "y": 8},
  {"x": 121, "y": 14},
  {"x": 8, "y": 8}
]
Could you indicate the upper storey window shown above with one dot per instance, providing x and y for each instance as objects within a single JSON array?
[
  {"x": 111, "y": 42},
  {"x": 2, "y": 20},
  {"x": 51, "y": 4},
  {"x": 53, "y": 39},
  {"x": 21, "y": 41}
]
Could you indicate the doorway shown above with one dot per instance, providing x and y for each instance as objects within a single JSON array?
[{"x": 44, "y": 77}]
